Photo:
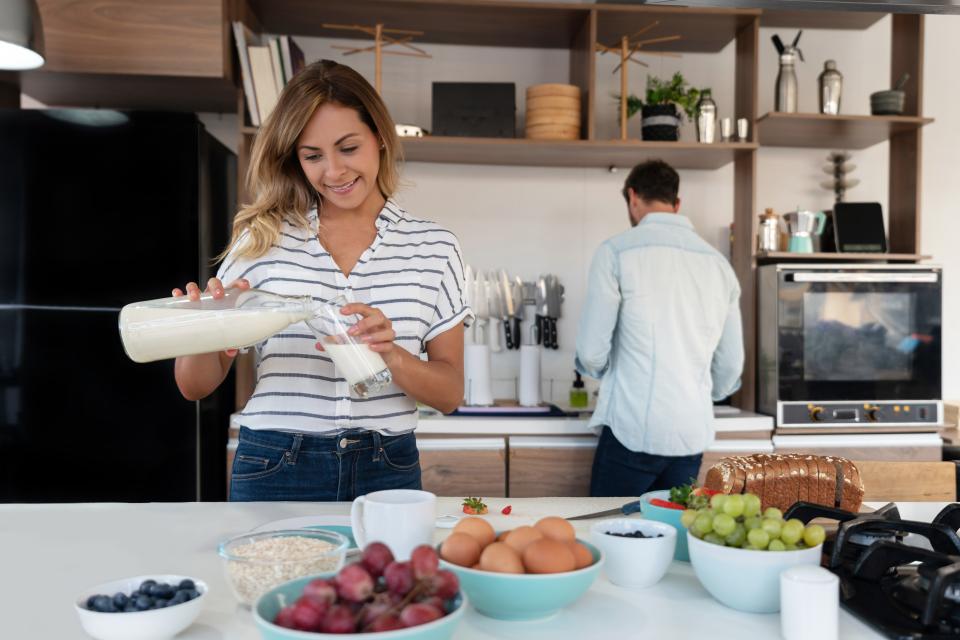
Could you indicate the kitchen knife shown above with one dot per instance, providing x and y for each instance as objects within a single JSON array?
[
  {"x": 471, "y": 335},
  {"x": 506, "y": 290},
  {"x": 541, "y": 309},
  {"x": 625, "y": 510},
  {"x": 495, "y": 310},
  {"x": 517, "y": 311}
]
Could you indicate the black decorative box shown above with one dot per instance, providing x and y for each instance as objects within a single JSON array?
[{"x": 474, "y": 109}]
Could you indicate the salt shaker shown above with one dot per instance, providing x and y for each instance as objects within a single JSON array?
[{"x": 809, "y": 603}]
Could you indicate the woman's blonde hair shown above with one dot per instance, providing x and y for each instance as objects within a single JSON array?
[{"x": 275, "y": 179}]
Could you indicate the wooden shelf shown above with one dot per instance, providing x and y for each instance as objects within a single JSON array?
[
  {"x": 786, "y": 256},
  {"x": 570, "y": 153},
  {"x": 853, "y": 20},
  {"x": 818, "y": 130},
  {"x": 494, "y": 23}
]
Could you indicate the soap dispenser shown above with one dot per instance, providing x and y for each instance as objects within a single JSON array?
[{"x": 578, "y": 393}]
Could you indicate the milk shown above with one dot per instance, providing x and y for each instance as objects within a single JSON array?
[
  {"x": 364, "y": 369},
  {"x": 156, "y": 333}
]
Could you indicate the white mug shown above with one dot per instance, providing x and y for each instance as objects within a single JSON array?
[
  {"x": 809, "y": 603},
  {"x": 402, "y": 519}
]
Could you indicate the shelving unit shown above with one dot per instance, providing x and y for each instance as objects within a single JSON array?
[
  {"x": 184, "y": 58},
  {"x": 818, "y": 130}
]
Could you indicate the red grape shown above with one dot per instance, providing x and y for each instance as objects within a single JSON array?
[
  {"x": 308, "y": 615},
  {"x": 376, "y": 557},
  {"x": 434, "y": 601},
  {"x": 445, "y": 584},
  {"x": 320, "y": 590},
  {"x": 419, "y": 613},
  {"x": 380, "y": 604},
  {"x": 399, "y": 577},
  {"x": 386, "y": 623},
  {"x": 354, "y": 583},
  {"x": 424, "y": 561},
  {"x": 285, "y": 618},
  {"x": 339, "y": 619}
]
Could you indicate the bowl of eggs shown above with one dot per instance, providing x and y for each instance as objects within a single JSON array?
[{"x": 526, "y": 573}]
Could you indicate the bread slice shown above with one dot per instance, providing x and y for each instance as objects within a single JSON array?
[
  {"x": 740, "y": 475},
  {"x": 720, "y": 477},
  {"x": 852, "y": 491},
  {"x": 753, "y": 482},
  {"x": 791, "y": 483},
  {"x": 828, "y": 482},
  {"x": 801, "y": 462},
  {"x": 813, "y": 480}
]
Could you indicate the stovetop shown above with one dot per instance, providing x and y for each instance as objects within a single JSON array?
[{"x": 902, "y": 577}]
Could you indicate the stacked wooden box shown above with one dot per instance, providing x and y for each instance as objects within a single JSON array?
[{"x": 553, "y": 112}]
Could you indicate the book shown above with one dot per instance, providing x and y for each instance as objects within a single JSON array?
[
  {"x": 264, "y": 85},
  {"x": 292, "y": 56},
  {"x": 278, "y": 76},
  {"x": 243, "y": 36}
]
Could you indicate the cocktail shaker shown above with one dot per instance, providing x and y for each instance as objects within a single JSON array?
[
  {"x": 706, "y": 118},
  {"x": 831, "y": 86}
]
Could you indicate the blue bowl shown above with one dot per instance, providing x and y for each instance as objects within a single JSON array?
[
  {"x": 269, "y": 604},
  {"x": 509, "y": 596},
  {"x": 669, "y": 516}
]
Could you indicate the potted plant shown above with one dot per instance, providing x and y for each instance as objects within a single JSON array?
[{"x": 661, "y": 119}]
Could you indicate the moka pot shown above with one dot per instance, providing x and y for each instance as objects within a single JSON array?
[{"x": 802, "y": 226}]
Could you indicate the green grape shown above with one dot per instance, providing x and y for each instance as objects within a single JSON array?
[
  {"x": 703, "y": 523},
  {"x": 792, "y": 532},
  {"x": 751, "y": 505},
  {"x": 738, "y": 537},
  {"x": 758, "y": 538},
  {"x": 773, "y": 512},
  {"x": 696, "y": 534},
  {"x": 772, "y": 527},
  {"x": 717, "y": 500},
  {"x": 687, "y": 517},
  {"x": 777, "y": 545},
  {"x": 752, "y": 522},
  {"x": 733, "y": 506},
  {"x": 790, "y": 547},
  {"x": 713, "y": 538},
  {"x": 814, "y": 535},
  {"x": 723, "y": 524}
]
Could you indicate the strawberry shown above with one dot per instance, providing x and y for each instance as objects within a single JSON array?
[
  {"x": 506, "y": 510},
  {"x": 474, "y": 506}
]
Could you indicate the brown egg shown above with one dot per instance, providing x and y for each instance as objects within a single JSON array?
[
  {"x": 479, "y": 528},
  {"x": 503, "y": 536},
  {"x": 520, "y": 537},
  {"x": 581, "y": 554},
  {"x": 548, "y": 556},
  {"x": 556, "y": 528},
  {"x": 460, "y": 549},
  {"x": 500, "y": 557}
]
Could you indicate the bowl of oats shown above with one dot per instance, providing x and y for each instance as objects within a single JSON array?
[{"x": 254, "y": 563}]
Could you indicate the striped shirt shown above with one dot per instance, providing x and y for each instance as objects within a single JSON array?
[{"x": 413, "y": 272}]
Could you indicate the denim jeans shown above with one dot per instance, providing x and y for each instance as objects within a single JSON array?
[
  {"x": 279, "y": 465},
  {"x": 617, "y": 471}
]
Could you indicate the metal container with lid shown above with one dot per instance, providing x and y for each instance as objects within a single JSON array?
[
  {"x": 831, "y": 86},
  {"x": 768, "y": 233}
]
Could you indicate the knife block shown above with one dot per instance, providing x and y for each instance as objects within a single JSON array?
[{"x": 476, "y": 375}]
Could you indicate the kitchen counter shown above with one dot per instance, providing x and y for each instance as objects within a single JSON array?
[{"x": 50, "y": 553}]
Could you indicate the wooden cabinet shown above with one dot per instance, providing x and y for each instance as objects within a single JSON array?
[
  {"x": 463, "y": 466},
  {"x": 550, "y": 465}
]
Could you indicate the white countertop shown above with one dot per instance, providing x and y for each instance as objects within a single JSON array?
[{"x": 51, "y": 553}]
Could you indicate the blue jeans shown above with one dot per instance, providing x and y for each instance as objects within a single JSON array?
[
  {"x": 278, "y": 465},
  {"x": 618, "y": 471}
]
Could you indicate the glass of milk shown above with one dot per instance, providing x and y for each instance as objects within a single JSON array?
[{"x": 364, "y": 370}]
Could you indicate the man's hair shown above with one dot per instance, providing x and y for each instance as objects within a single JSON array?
[{"x": 653, "y": 180}]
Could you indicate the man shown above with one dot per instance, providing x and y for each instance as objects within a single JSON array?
[{"x": 661, "y": 330}]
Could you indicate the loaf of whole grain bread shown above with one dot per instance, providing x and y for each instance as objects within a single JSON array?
[{"x": 782, "y": 479}]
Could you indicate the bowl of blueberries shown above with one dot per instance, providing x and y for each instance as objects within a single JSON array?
[{"x": 141, "y": 608}]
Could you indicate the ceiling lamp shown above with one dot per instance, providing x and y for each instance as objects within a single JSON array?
[{"x": 21, "y": 35}]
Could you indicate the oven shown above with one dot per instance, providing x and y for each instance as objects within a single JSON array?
[{"x": 850, "y": 345}]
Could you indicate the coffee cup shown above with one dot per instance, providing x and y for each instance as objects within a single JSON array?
[{"x": 402, "y": 519}]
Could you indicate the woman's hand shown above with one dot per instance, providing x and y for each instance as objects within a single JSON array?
[
  {"x": 374, "y": 329},
  {"x": 216, "y": 288}
]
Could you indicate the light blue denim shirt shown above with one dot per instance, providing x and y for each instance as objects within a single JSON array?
[{"x": 661, "y": 330}]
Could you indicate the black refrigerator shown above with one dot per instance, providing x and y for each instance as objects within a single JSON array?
[{"x": 98, "y": 209}]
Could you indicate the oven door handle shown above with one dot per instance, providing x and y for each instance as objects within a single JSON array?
[{"x": 864, "y": 277}]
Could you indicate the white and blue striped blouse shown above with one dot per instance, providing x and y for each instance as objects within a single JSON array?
[{"x": 413, "y": 272}]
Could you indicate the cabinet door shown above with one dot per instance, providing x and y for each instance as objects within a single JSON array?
[
  {"x": 139, "y": 37},
  {"x": 551, "y": 466},
  {"x": 463, "y": 466}
]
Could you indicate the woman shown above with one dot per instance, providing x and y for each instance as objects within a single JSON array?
[{"x": 322, "y": 171}]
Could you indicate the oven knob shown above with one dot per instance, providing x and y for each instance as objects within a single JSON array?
[
  {"x": 873, "y": 414},
  {"x": 816, "y": 414}
]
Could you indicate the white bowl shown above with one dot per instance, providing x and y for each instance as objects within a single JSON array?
[
  {"x": 635, "y": 563},
  {"x": 154, "y": 624},
  {"x": 745, "y": 579}
]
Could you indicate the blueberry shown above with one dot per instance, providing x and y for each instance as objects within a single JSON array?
[
  {"x": 160, "y": 604},
  {"x": 102, "y": 603},
  {"x": 143, "y": 602},
  {"x": 90, "y": 602},
  {"x": 163, "y": 591},
  {"x": 192, "y": 593},
  {"x": 120, "y": 600},
  {"x": 146, "y": 583},
  {"x": 133, "y": 595},
  {"x": 181, "y": 596},
  {"x": 186, "y": 583},
  {"x": 130, "y": 607}
]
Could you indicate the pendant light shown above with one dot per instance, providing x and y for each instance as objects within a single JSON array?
[{"x": 21, "y": 35}]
